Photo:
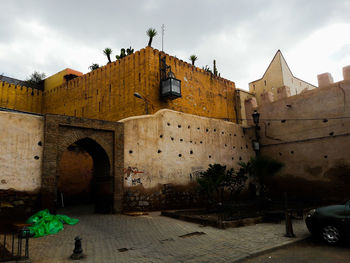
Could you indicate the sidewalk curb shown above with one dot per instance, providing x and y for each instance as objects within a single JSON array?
[{"x": 271, "y": 248}]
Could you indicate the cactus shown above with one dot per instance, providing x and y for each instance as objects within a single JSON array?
[
  {"x": 122, "y": 54},
  {"x": 94, "y": 66},
  {"x": 216, "y": 73},
  {"x": 129, "y": 51},
  {"x": 207, "y": 69}
]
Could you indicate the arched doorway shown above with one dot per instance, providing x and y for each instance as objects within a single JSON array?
[
  {"x": 102, "y": 144},
  {"x": 84, "y": 176}
]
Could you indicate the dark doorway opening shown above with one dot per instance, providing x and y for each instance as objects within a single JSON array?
[{"x": 85, "y": 177}]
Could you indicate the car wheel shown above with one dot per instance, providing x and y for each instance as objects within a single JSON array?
[{"x": 331, "y": 234}]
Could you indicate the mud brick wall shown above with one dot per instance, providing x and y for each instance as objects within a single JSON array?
[
  {"x": 310, "y": 134},
  {"x": 167, "y": 196}
]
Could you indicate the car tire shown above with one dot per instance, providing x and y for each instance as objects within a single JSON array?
[{"x": 331, "y": 234}]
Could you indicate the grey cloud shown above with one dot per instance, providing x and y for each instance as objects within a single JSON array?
[{"x": 192, "y": 27}]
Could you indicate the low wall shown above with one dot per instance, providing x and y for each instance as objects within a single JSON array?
[{"x": 166, "y": 152}]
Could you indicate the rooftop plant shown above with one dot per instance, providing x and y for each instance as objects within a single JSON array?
[
  {"x": 151, "y": 33},
  {"x": 193, "y": 59},
  {"x": 108, "y": 52},
  {"x": 35, "y": 79}
]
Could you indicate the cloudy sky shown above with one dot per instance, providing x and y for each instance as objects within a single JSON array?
[{"x": 242, "y": 35}]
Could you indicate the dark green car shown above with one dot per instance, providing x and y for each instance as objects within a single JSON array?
[{"x": 331, "y": 223}]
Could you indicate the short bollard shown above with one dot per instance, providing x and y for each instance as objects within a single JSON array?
[
  {"x": 289, "y": 225},
  {"x": 78, "y": 251}
]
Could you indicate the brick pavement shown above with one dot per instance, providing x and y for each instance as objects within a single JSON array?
[{"x": 154, "y": 238}]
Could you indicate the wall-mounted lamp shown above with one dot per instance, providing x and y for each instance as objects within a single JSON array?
[
  {"x": 256, "y": 145},
  {"x": 256, "y": 116},
  {"x": 170, "y": 87},
  {"x": 138, "y": 95}
]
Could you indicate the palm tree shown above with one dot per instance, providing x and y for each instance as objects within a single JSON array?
[
  {"x": 193, "y": 59},
  {"x": 108, "y": 51},
  {"x": 151, "y": 33}
]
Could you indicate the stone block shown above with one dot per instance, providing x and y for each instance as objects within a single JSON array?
[
  {"x": 324, "y": 80},
  {"x": 283, "y": 92},
  {"x": 250, "y": 104},
  {"x": 346, "y": 72},
  {"x": 266, "y": 97}
]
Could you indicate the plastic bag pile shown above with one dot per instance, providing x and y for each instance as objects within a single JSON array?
[{"x": 43, "y": 223}]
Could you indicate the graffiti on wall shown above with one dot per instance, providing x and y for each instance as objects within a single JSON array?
[
  {"x": 196, "y": 173},
  {"x": 132, "y": 177}
]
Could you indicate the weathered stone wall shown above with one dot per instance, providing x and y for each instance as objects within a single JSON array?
[
  {"x": 21, "y": 150},
  {"x": 310, "y": 134},
  {"x": 240, "y": 97},
  {"x": 172, "y": 148}
]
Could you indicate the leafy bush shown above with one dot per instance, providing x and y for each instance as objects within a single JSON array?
[
  {"x": 260, "y": 167},
  {"x": 220, "y": 186},
  {"x": 35, "y": 79}
]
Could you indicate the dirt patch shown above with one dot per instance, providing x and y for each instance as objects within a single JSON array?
[
  {"x": 219, "y": 220},
  {"x": 192, "y": 234},
  {"x": 135, "y": 213}
]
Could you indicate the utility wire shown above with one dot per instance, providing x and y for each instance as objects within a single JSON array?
[{"x": 306, "y": 119}]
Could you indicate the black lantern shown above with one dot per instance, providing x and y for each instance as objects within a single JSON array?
[
  {"x": 170, "y": 87},
  {"x": 256, "y": 116}
]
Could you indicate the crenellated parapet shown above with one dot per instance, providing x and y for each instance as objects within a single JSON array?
[
  {"x": 20, "y": 98},
  {"x": 326, "y": 79}
]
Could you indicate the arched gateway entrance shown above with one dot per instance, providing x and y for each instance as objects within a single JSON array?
[
  {"x": 101, "y": 140},
  {"x": 84, "y": 176}
]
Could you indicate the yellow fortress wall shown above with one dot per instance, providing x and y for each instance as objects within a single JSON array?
[
  {"x": 107, "y": 93},
  {"x": 20, "y": 98}
]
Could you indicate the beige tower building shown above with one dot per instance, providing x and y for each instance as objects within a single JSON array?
[{"x": 278, "y": 81}]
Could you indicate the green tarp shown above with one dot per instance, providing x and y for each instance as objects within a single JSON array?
[{"x": 43, "y": 223}]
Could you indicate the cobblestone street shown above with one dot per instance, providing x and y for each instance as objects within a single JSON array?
[{"x": 154, "y": 238}]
